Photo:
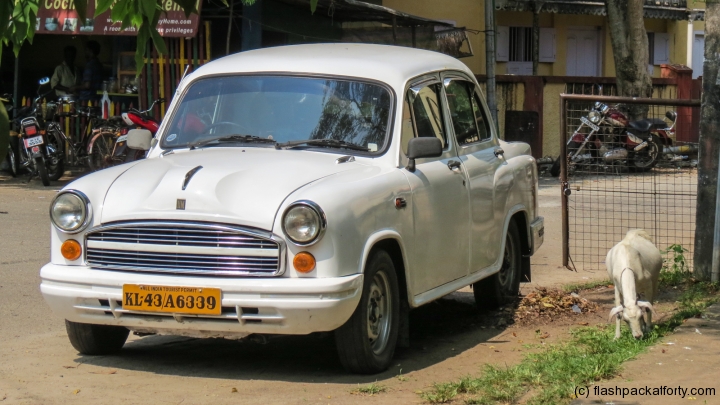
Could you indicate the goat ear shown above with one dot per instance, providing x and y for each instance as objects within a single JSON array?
[
  {"x": 615, "y": 312},
  {"x": 647, "y": 307}
]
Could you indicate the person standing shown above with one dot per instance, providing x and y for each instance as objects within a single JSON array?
[
  {"x": 92, "y": 74},
  {"x": 64, "y": 78}
]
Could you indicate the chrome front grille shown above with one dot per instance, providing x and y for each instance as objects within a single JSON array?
[
  {"x": 176, "y": 236},
  {"x": 184, "y": 248}
]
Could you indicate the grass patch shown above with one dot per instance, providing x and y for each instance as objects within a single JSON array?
[
  {"x": 372, "y": 389},
  {"x": 587, "y": 285},
  {"x": 590, "y": 355}
]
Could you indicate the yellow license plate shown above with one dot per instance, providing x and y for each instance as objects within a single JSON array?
[{"x": 176, "y": 300}]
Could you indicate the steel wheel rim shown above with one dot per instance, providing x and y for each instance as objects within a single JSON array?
[
  {"x": 379, "y": 313},
  {"x": 646, "y": 159},
  {"x": 506, "y": 275}
]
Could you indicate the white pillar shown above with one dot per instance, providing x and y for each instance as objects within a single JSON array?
[{"x": 690, "y": 44}]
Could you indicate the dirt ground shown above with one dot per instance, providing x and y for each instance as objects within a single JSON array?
[{"x": 449, "y": 339}]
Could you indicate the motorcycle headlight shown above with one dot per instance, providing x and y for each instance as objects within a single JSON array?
[
  {"x": 304, "y": 223},
  {"x": 70, "y": 211},
  {"x": 594, "y": 116}
]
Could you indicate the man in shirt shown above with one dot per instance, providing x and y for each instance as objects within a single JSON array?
[
  {"x": 92, "y": 75},
  {"x": 64, "y": 79}
]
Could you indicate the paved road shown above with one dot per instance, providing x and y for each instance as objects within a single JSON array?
[{"x": 39, "y": 366}]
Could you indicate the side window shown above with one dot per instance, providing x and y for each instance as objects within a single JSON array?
[
  {"x": 467, "y": 115},
  {"x": 482, "y": 122},
  {"x": 427, "y": 113}
]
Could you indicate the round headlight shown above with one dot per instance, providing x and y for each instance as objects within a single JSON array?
[
  {"x": 69, "y": 211},
  {"x": 303, "y": 222},
  {"x": 595, "y": 116}
]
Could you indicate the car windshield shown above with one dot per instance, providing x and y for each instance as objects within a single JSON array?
[{"x": 235, "y": 109}]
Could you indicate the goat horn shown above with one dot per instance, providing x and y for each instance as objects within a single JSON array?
[
  {"x": 647, "y": 305},
  {"x": 614, "y": 312}
]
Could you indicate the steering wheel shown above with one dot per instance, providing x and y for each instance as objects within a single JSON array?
[{"x": 217, "y": 124}]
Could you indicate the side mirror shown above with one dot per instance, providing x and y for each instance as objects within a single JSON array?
[
  {"x": 671, "y": 115},
  {"x": 139, "y": 139},
  {"x": 44, "y": 81},
  {"x": 422, "y": 148}
]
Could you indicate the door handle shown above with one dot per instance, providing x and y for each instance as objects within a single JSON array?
[
  {"x": 454, "y": 165},
  {"x": 498, "y": 152}
]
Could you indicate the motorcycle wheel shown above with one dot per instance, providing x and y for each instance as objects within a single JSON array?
[
  {"x": 648, "y": 157},
  {"x": 101, "y": 155},
  {"x": 58, "y": 169},
  {"x": 12, "y": 163},
  {"x": 42, "y": 170},
  {"x": 555, "y": 169}
]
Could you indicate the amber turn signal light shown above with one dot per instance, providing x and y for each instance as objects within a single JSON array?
[
  {"x": 71, "y": 249},
  {"x": 304, "y": 262}
]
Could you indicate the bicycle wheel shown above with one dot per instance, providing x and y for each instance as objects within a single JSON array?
[{"x": 101, "y": 152}]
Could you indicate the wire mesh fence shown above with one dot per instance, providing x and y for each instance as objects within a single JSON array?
[{"x": 629, "y": 164}]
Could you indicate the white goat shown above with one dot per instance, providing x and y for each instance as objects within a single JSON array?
[{"x": 634, "y": 266}]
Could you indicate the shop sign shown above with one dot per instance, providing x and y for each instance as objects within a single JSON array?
[{"x": 60, "y": 17}]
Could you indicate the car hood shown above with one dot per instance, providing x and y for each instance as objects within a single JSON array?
[{"x": 235, "y": 185}]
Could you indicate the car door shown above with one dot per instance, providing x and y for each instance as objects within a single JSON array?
[
  {"x": 478, "y": 151},
  {"x": 441, "y": 216}
]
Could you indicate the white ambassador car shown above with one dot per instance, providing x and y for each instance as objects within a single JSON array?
[{"x": 294, "y": 190}]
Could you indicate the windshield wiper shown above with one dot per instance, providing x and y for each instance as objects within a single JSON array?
[
  {"x": 230, "y": 138},
  {"x": 330, "y": 143}
]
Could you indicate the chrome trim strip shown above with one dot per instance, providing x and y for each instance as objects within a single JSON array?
[
  {"x": 199, "y": 226},
  {"x": 185, "y": 250}
]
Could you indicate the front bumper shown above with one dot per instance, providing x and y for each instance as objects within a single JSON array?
[
  {"x": 278, "y": 305},
  {"x": 537, "y": 230}
]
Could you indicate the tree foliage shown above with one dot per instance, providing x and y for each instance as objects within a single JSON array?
[{"x": 141, "y": 14}]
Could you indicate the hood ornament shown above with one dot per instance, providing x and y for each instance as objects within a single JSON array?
[{"x": 190, "y": 175}]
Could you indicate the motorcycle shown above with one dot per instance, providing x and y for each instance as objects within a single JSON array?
[
  {"x": 119, "y": 152},
  {"x": 614, "y": 139},
  {"x": 40, "y": 151}
]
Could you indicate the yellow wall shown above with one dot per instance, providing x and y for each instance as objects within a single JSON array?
[
  {"x": 466, "y": 13},
  {"x": 471, "y": 14}
]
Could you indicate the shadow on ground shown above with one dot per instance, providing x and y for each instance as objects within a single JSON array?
[{"x": 440, "y": 330}]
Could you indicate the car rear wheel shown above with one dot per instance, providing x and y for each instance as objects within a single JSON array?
[
  {"x": 96, "y": 339},
  {"x": 502, "y": 287},
  {"x": 366, "y": 342}
]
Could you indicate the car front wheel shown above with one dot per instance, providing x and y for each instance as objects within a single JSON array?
[
  {"x": 96, "y": 339},
  {"x": 502, "y": 287},
  {"x": 366, "y": 342}
]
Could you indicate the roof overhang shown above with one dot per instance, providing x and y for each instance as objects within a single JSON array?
[
  {"x": 355, "y": 11},
  {"x": 660, "y": 9}
]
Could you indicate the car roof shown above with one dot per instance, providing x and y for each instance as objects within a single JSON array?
[{"x": 391, "y": 64}]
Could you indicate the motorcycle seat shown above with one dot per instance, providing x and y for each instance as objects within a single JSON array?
[{"x": 647, "y": 125}]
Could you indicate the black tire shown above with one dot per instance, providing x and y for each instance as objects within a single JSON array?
[
  {"x": 502, "y": 287},
  {"x": 55, "y": 171},
  {"x": 358, "y": 352},
  {"x": 101, "y": 155},
  {"x": 12, "y": 163},
  {"x": 648, "y": 157},
  {"x": 42, "y": 171},
  {"x": 96, "y": 339},
  {"x": 555, "y": 169}
]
